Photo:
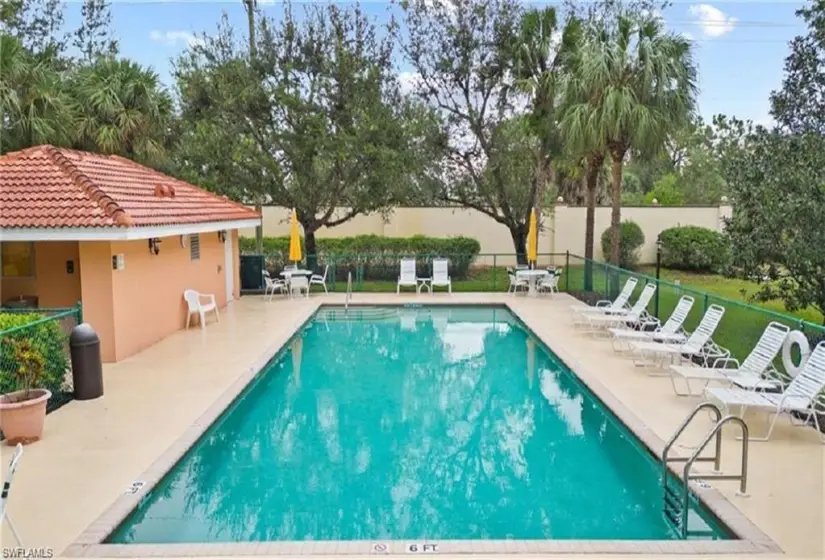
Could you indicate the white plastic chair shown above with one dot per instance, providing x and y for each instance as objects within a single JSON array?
[
  {"x": 407, "y": 275},
  {"x": 549, "y": 283},
  {"x": 618, "y": 305},
  {"x": 800, "y": 396},
  {"x": 194, "y": 300},
  {"x": 272, "y": 286},
  {"x": 299, "y": 284},
  {"x": 318, "y": 280},
  {"x": 517, "y": 283},
  {"x": 441, "y": 274},
  {"x": 671, "y": 331},
  {"x": 699, "y": 344},
  {"x": 636, "y": 314},
  {"x": 755, "y": 373},
  {"x": 4, "y": 495}
]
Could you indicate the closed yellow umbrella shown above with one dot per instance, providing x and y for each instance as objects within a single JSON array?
[
  {"x": 294, "y": 239},
  {"x": 532, "y": 238}
]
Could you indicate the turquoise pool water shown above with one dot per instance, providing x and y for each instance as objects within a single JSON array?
[{"x": 404, "y": 423}]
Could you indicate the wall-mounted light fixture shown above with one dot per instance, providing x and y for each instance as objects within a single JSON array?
[
  {"x": 222, "y": 236},
  {"x": 154, "y": 245}
]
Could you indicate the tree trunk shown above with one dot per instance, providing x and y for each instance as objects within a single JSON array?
[
  {"x": 594, "y": 165},
  {"x": 616, "y": 214},
  {"x": 259, "y": 231},
  {"x": 310, "y": 248},
  {"x": 519, "y": 236}
]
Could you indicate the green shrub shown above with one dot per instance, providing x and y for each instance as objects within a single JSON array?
[
  {"x": 46, "y": 338},
  {"x": 694, "y": 248},
  {"x": 630, "y": 240},
  {"x": 375, "y": 256}
]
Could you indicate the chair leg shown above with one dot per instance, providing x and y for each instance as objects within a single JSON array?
[
  {"x": 325, "y": 288},
  {"x": 188, "y": 319},
  {"x": 203, "y": 319},
  {"x": 217, "y": 316}
]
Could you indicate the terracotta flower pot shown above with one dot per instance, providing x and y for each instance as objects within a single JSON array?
[{"x": 22, "y": 420}]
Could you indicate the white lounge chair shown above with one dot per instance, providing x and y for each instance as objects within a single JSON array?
[
  {"x": 699, "y": 344},
  {"x": 671, "y": 331},
  {"x": 318, "y": 280},
  {"x": 407, "y": 275},
  {"x": 298, "y": 284},
  {"x": 517, "y": 283},
  {"x": 800, "y": 395},
  {"x": 196, "y": 305},
  {"x": 271, "y": 286},
  {"x": 618, "y": 305},
  {"x": 4, "y": 495},
  {"x": 635, "y": 314},
  {"x": 441, "y": 274},
  {"x": 756, "y": 373}
]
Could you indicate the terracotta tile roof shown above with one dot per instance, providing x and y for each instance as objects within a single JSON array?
[{"x": 49, "y": 187}]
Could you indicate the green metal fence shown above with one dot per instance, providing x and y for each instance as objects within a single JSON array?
[
  {"x": 741, "y": 326},
  {"x": 378, "y": 271},
  {"x": 47, "y": 331}
]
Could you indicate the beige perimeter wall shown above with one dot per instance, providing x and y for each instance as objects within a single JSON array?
[{"x": 561, "y": 230}]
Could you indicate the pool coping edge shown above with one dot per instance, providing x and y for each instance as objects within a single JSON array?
[{"x": 750, "y": 538}]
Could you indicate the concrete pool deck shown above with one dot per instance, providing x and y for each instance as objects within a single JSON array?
[{"x": 93, "y": 450}]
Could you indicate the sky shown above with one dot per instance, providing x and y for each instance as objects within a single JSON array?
[{"x": 740, "y": 46}]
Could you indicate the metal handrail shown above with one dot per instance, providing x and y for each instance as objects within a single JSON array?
[
  {"x": 349, "y": 290},
  {"x": 742, "y": 477},
  {"x": 716, "y": 460}
]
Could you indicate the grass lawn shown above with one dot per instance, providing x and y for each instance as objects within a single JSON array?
[{"x": 741, "y": 326}]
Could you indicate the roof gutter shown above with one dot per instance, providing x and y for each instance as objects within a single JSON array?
[{"x": 120, "y": 233}]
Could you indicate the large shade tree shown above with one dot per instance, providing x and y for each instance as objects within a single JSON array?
[
  {"x": 462, "y": 57},
  {"x": 637, "y": 84},
  {"x": 315, "y": 121}
]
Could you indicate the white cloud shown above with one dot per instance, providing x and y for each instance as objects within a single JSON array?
[
  {"x": 713, "y": 21},
  {"x": 408, "y": 81},
  {"x": 173, "y": 38},
  {"x": 687, "y": 35}
]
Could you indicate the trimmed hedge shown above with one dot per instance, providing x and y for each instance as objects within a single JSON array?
[
  {"x": 694, "y": 248},
  {"x": 375, "y": 255},
  {"x": 47, "y": 338},
  {"x": 631, "y": 238}
]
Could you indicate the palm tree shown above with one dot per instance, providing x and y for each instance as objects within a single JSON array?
[
  {"x": 635, "y": 83},
  {"x": 542, "y": 52},
  {"x": 34, "y": 106},
  {"x": 123, "y": 110}
]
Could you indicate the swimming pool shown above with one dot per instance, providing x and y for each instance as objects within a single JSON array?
[{"x": 411, "y": 423}]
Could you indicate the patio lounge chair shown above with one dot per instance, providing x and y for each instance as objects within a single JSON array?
[
  {"x": 699, "y": 344},
  {"x": 407, "y": 275},
  {"x": 271, "y": 286},
  {"x": 618, "y": 305},
  {"x": 318, "y": 280},
  {"x": 800, "y": 395},
  {"x": 635, "y": 314},
  {"x": 196, "y": 305},
  {"x": 671, "y": 331},
  {"x": 4, "y": 496},
  {"x": 755, "y": 373},
  {"x": 441, "y": 274}
]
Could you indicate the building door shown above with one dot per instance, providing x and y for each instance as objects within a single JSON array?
[{"x": 229, "y": 266}]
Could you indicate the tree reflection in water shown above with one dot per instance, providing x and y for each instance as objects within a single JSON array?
[{"x": 421, "y": 428}]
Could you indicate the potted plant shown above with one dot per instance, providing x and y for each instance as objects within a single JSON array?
[{"x": 23, "y": 412}]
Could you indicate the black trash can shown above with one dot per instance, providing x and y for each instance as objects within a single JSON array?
[
  {"x": 87, "y": 367},
  {"x": 252, "y": 271}
]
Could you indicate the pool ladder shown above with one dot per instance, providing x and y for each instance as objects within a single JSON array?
[
  {"x": 677, "y": 499},
  {"x": 349, "y": 290}
]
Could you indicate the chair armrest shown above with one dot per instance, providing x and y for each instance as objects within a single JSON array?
[
  {"x": 603, "y": 303},
  {"x": 719, "y": 362},
  {"x": 210, "y": 297}
]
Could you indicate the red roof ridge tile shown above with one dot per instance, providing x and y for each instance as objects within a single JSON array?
[{"x": 111, "y": 208}]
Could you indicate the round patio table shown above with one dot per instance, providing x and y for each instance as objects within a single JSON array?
[{"x": 532, "y": 278}]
